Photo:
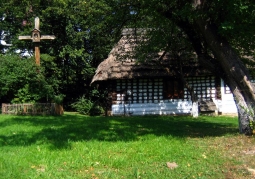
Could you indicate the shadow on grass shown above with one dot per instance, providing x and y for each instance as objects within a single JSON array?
[{"x": 58, "y": 131}]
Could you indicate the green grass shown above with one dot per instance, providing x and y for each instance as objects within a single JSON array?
[{"x": 76, "y": 146}]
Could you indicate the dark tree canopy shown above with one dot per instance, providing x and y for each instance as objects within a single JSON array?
[{"x": 84, "y": 36}]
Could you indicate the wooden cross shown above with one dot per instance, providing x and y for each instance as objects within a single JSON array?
[{"x": 36, "y": 37}]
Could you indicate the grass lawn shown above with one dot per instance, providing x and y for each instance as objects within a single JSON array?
[{"x": 76, "y": 146}]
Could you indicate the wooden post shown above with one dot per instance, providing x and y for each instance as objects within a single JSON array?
[
  {"x": 36, "y": 37},
  {"x": 37, "y": 53}
]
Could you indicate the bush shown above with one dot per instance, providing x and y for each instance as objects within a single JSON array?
[
  {"x": 58, "y": 99},
  {"x": 96, "y": 110},
  {"x": 83, "y": 105},
  {"x": 87, "y": 107},
  {"x": 24, "y": 82}
]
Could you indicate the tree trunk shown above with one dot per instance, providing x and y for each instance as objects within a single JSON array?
[
  {"x": 194, "y": 97},
  {"x": 226, "y": 63},
  {"x": 190, "y": 89},
  {"x": 235, "y": 73}
]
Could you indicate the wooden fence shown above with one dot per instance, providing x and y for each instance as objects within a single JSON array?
[{"x": 33, "y": 109}]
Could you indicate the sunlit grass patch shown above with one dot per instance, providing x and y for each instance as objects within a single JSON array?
[{"x": 76, "y": 146}]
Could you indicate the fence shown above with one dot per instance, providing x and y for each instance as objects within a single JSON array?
[{"x": 33, "y": 109}]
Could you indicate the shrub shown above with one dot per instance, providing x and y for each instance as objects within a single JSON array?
[
  {"x": 83, "y": 105},
  {"x": 58, "y": 99},
  {"x": 96, "y": 110},
  {"x": 87, "y": 107}
]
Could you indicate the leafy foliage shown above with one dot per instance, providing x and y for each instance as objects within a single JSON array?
[
  {"x": 84, "y": 38},
  {"x": 22, "y": 81},
  {"x": 96, "y": 110},
  {"x": 24, "y": 95},
  {"x": 58, "y": 99},
  {"x": 83, "y": 105},
  {"x": 87, "y": 107}
]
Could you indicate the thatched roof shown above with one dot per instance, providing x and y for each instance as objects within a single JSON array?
[{"x": 121, "y": 65}]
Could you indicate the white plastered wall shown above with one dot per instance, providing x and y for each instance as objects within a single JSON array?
[
  {"x": 165, "y": 107},
  {"x": 227, "y": 103}
]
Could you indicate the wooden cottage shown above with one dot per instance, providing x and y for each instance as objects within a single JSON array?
[{"x": 156, "y": 87}]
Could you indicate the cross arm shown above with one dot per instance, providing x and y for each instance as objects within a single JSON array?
[
  {"x": 50, "y": 37},
  {"x": 26, "y": 37}
]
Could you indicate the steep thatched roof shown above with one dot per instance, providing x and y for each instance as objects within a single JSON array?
[{"x": 121, "y": 65}]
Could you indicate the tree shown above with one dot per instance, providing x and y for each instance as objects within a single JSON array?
[
  {"x": 22, "y": 81},
  {"x": 83, "y": 33},
  {"x": 217, "y": 43},
  {"x": 220, "y": 32}
]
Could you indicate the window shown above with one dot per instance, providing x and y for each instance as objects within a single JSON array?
[
  {"x": 173, "y": 89},
  {"x": 141, "y": 91},
  {"x": 205, "y": 87}
]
